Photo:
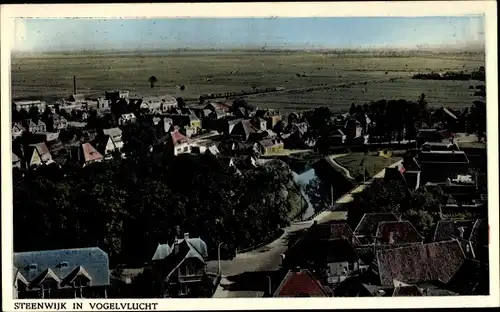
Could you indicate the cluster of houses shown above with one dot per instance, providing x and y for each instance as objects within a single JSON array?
[
  {"x": 385, "y": 255},
  {"x": 51, "y": 138}
]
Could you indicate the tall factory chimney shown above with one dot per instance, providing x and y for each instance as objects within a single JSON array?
[{"x": 74, "y": 84}]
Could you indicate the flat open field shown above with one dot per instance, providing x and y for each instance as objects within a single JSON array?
[
  {"x": 338, "y": 79},
  {"x": 372, "y": 162}
]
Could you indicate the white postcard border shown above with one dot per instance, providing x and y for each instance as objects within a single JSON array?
[{"x": 322, "y": 9}]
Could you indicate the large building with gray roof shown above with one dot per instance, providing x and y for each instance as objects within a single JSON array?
[{"x": 61, "y": 273}]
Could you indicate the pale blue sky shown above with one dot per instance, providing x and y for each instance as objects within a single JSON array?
[{"x": 333, "y": 32}]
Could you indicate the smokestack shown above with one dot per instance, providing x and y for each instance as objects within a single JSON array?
[{"x": 74, "y": 84}]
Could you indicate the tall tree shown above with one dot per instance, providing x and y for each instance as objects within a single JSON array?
[
  {"x": 138, "y": 138},
  {"x": 152, "y": 81},
  {"x": 180, "y": 102},
  {"x": 34, "y": 113}
]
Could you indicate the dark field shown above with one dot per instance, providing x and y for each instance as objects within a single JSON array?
[
  {"x": 373, "y": 164},
  {"x": 338, "y": 79}
]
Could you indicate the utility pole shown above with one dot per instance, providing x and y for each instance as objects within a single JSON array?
[
  {"x": 218, "y": 257},
  {"x": 331, "y": 194}
]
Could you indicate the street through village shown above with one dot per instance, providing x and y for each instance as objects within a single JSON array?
[{"x": 249, "y": 273}]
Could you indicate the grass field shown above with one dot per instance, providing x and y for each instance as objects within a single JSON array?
[
  {"x": 341, "y": 78},
  {"x": 373, "y": 164}
]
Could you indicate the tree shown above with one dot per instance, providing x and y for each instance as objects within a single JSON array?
[
  {"x": 120, "y": 107},
  {"x": 180, "y": 102},
  {"x": 47, "y": 113},
  {"x": 422, "y": 221},
  {"x": 152, "y": 81},
  {"x": 34, "y": 113},
  {"x": 423, "y": 109},
  {"x": 279, "y": 127},
  {"x": 16, "y": 116},
  {"x": 352, "y": 109},
  {"x": 23, "y": 114},
  {"x": 138, "y": 138},
  {"x": 241, "y": 103},
  {"x": 380, "y": 196},
  {"x": 92, "y": 119}
]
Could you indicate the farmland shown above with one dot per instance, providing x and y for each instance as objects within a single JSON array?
[{"x": 310, "y": 79}]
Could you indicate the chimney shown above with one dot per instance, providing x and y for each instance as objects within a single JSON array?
[
  {"x": 74, "y": 84},
  {"x": 186, "y": 235},
  {"x": 177, "y": 232},
  {"x": 391, "y": 237}
]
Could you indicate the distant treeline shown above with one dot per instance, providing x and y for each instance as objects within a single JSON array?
[
  {"x": 207, "y": 96},
  {"x": 480, "y": 75}
]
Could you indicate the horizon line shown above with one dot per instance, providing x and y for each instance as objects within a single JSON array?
[{"x": 461, "y": 48}]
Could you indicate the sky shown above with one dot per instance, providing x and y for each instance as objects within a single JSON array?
[{"x": 73, "y": 34}]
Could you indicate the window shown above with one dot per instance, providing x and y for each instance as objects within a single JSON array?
[
  {"x": 350, "y": 266},
  {"x": 183, "y": 289},
  {"x": 48, "y": 287},
  {"x": 32, "y": 267},
  {"x": 189, "y": 270},
  {"x": 21, "y": 287},
  {"x": 80, "y": 282},
  {"x": 63, "y": 264}
]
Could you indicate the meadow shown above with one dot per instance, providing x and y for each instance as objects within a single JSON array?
[{"x": 336, "y": 79}]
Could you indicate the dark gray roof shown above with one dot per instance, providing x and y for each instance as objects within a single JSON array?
[
  {"x": 448, "y": 229},
  {"x": 197, "y": 249},
  {"x": 162, "y": 251},
  {"x": 94, "y": 260},
  {"x": 369, "y": 223},
  {"x": 443, "y": 157}
]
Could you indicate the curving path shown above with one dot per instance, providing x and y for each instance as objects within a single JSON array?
[
  {"x": 268, "y": 258},
  {"x": 346, "y": 172}
]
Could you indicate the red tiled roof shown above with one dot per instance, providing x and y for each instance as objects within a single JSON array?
[
  {"x": 300, "y": 284},
  {"x": 438, "y": 261},
  {"x": 90, "y": 153},
  {"x": 41, "y": 148},
  {"x": 177, "y": 137}
]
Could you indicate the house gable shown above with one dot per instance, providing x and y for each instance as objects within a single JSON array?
[
  {"x": 35, "y": 160},
  {"x": 300, "y": 284}
]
